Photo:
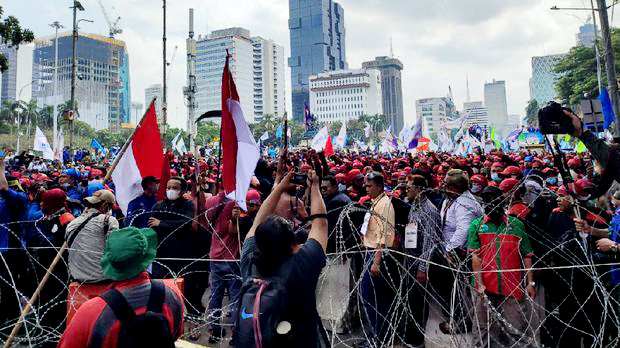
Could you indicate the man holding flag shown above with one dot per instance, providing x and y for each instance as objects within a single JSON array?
[{"x": 239, "y": 157}]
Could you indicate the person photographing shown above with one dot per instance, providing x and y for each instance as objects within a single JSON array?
[{"x": 277, "y": 305}]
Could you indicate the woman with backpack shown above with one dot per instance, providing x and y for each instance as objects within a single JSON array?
[{"x": 277, "y": 304}]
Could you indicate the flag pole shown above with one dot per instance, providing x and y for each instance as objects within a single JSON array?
[
  {"x": 127, "y": 142},
  {"x": 62, "y": 249},
  {"x": 285, "y": 130}
]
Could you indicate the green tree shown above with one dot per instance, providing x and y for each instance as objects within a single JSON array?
[
  {"x": 82, "y": 128},
  {"x": 578, "y": 71},
  {"x": 531, "y": 113},
  {"x": 14, "y": 35},
  {"x": 207, "y": 132}
]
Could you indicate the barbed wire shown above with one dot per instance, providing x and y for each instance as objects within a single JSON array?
[{"x": 565, "y": 260}]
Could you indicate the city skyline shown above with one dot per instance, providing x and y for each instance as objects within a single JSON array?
[{"x": 438, "y": 45}]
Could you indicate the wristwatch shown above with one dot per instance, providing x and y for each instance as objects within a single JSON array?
[
  {"x": 532, "y": 284},
  {"x": 614, "y": 248}
]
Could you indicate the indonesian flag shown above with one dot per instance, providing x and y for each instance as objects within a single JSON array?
[
  {"x": 143, "y": 157},
  {"x": 239, "y": 150}
]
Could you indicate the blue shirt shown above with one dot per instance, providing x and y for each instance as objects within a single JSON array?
[
  {"x": 13, "y": 205},
  {"x": 614, "y": 234},
  {"x": 138, "y": 211},
  {"x": 33, "y": 214}
]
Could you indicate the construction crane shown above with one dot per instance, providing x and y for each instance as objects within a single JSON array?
[{"x": 114, "y": 28}]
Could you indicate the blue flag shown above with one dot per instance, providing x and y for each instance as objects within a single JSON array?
[
  {"x": 97, "y": 146},
  {"x": 608, "y": 111},
  {"x": 279, "y": 132}
]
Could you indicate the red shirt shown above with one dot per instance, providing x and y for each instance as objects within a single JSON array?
[
  {"x": 94, "y": 324},
  {"x": 224, "y": 243}
]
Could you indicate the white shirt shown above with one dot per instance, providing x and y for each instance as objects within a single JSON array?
[{"x": 456, "y": 216}]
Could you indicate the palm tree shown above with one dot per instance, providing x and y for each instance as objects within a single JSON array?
[{"x": 32, "y": 112}]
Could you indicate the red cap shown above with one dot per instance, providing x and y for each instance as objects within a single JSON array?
[
  {"x": 508, "y": 184},
  {"x": 253, "y": 196},
  {"x": 582, "y": 185},
  {"x": 479, "y": 179},
  {"x": 511, "y": 170},
  {"x": 497, "y": 165},
  {"x": 574, "y": 163}
]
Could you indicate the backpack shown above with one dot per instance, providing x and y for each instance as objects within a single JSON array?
[
  {"x": 262, "y": 314},
  {"x": 149, "y": 329}
]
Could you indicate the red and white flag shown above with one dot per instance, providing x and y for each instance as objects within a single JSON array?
[
  {"x": 239, "y": 150},
  {"x": 143, "y": 157},
  {"x": 323, "y": 142}
]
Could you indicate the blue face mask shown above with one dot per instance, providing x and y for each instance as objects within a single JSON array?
[
  {"x": 495, "y": 177},
  {"x": 552, "y": 181}
]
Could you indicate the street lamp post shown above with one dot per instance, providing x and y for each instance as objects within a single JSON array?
[
  {"x": 76, "y": 6},
  {"x": 56, "y": 25},
  {"x": 19, "y": 104}
]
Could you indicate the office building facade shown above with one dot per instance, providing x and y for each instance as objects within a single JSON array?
[
  {"x": 268, "y": 83},
  {"x": 475, "y": 114},
  {"x": 155, "y": 91},
  {"x": 542, "y": 82},
  {"x": 434, "y": 112},
  {"x": 496, "y": 104},
  {"x": 345, "y": 94},
  {"x": 102, "y": 90},
  {"x": 137, "y": 111},
  {"x": 317, "y": 38},
  {"x": 210, "y": 59},
  {"x": 8, "y": 82},
  {"x": 391, "y": 88}
]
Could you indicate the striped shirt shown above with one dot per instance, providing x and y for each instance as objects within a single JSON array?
[
  {"x": 426, "y": 215},
  {"x": 95, "y": 325}
]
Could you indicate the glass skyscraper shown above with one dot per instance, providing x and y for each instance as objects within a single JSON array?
[
  {"x": 317, "y": 45},
  {"x": 542, "y": 82}
]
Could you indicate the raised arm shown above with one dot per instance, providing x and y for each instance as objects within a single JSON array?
[
  {"x": 318, "y": 231},
  {"x": 269, "y": 205}
]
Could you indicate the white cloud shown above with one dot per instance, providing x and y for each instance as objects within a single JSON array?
[{"x": 438, "y": 41}]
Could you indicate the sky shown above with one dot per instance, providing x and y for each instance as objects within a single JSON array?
[{"x": 439, "y": 42}]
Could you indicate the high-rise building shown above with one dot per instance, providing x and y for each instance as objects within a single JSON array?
[
  {"x": 268, "y": 59},
  {"x": 8, "y": 83},
  {"x": 476, "y": 114},
  {"x": 496, "y": 104},
  {"x": 317, "y": 44},
  {"x": 514, "y": 122},
  {"x": 102, "y": 90},
  {"x": 345, "y": 94},
  {"x": 542, "y": 82},
  {"x": 256, "y": 64},
  {"x": 586, "y": 35},
  {"x": 210, "y": 59},
  {"x": 434, "y": 112},
  {"x": 137, "y": 110},
  {"x": 391, "y": 87},
  {"x": 155, "y": 91}
]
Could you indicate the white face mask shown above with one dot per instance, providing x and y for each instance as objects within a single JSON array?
[{"x": 172, "y": 194}]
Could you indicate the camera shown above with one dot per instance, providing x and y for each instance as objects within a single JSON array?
[
  {"x": 299, "y": 179},
  {"x": 551, "y": 120}
]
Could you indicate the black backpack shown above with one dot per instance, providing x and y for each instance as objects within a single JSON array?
[
  {"x": 149, "y": 329},
  {"x": 263, "y": 305}
]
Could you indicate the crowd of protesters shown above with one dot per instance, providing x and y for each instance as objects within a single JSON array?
[{"x": 482, "y": 233}]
